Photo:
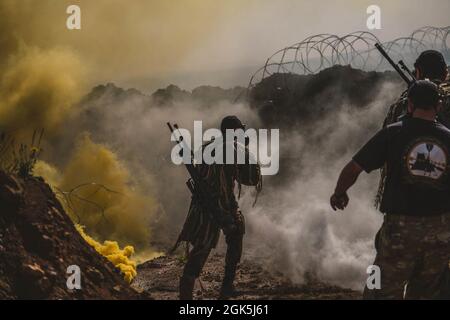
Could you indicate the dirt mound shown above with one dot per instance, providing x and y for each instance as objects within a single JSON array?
[
  {"x": 38, "y": 242},
  {"x": 159, "y": 277},
  {"x": 288, "y": 100}
]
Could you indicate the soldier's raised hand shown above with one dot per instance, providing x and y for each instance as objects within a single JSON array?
[{"x": 339, "y": 201}]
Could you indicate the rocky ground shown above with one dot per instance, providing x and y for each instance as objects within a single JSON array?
[{"x": 159, "y": 278}]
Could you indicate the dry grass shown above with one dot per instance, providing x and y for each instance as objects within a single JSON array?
[{"x": 19, "y": 159}]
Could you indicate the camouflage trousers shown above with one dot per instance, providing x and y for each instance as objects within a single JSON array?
[
  {"x": 413, "y": 257},
  {"x": 234, "y": 239}
]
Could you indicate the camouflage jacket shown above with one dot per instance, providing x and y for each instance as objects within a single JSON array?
[
  {"x": 400, "y": 108},
  {"x": 200, "y": 229}
]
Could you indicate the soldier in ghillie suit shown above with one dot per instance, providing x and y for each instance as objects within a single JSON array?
[
  {"x": 413, "y": 245},
  {"x": 202, "y": 230}
]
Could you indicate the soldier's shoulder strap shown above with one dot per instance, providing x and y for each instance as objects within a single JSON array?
[
  {"x": 445, "y": 88},
  {"x": 401, "y": 100},
  {"x": 397, "y": 109},
  {"x": 444, "y": 114}
]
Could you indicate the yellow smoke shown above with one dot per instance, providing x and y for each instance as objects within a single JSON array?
[
  {"x": 44, "y": 71},
  {"x": 118, "y": 39},
  {"x": 111, "y": 250},
  {"x": 38, "y": 89},
  {"x": 102, "y": 194},
  {"x": 127, "y": 212},
  {"x": 51, "y": 174}
]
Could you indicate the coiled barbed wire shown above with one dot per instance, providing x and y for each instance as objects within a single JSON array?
[
  {"x": 71, "y": 197},
  {"x": 356, "y": 49}
]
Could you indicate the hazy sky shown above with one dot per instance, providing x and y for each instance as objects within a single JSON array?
[{"x": 148, "y": 43}]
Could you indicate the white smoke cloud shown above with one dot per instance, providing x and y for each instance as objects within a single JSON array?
[
  {"x": 293, "y": 228},
  {"x": 135, "y": 127}
]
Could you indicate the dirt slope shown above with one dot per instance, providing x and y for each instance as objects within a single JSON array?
[{"x": 38, "y": 242}]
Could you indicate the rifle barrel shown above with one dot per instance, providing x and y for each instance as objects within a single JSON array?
[
  {"x": 392, "y": 63},
  {"x": 406, "y": 69},
  {"x": 170, "y": 127}
]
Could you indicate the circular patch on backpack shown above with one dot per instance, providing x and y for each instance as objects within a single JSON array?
[{"x": 427, "y": 159}]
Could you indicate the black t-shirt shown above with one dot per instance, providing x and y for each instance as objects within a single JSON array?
[{"x": 416, "y": 154}]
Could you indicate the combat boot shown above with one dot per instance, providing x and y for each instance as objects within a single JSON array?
[
  {"x": 186, "y": 287},
  {"x": 228, "y": 290}
]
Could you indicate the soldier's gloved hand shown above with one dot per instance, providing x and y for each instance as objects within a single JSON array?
[
  {"x": 229, "y": 229},
  {"x": 227, "y": 224},
  {"x": 339, "y": 201}
]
